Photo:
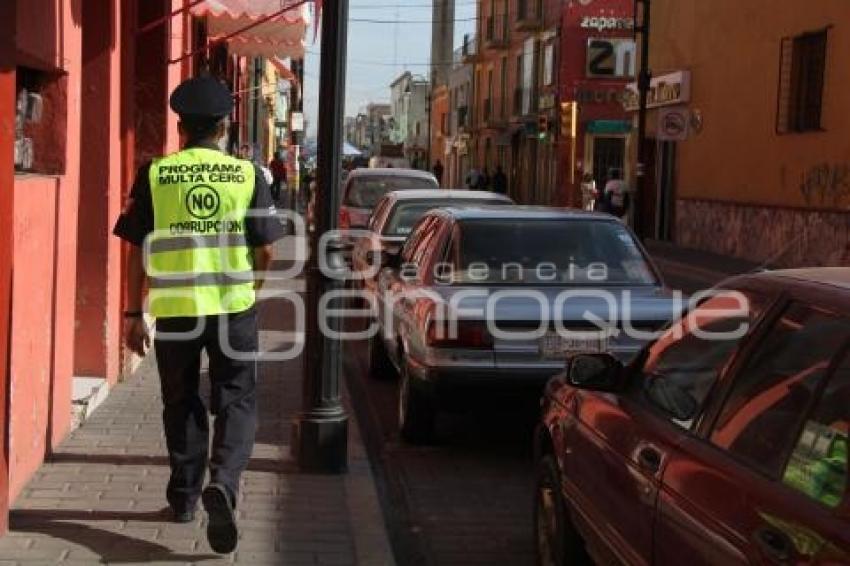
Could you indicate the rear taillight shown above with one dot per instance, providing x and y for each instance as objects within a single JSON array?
[
  {"x": 458, "y": 334},
  {"x": 344, "y": 219}
]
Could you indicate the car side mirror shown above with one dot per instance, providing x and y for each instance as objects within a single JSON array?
[{"x": 595, "y": 372}]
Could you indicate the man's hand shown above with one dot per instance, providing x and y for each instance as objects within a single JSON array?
[{"x": 137, "y": 338}]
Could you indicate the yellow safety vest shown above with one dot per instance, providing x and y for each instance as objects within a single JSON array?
[{"x": 197, "y": 259}]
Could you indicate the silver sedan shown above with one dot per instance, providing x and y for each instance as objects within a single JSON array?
[{"x": 480, "y": 298}]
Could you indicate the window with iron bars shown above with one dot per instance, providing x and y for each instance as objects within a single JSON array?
[{"x": 801, "y": 83}]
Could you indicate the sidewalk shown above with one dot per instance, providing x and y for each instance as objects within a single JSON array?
[
  {"x": 693, "y": 270},
  {"x": 101, "y": 498}
]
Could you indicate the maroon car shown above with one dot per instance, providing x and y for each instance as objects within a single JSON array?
[{"x": 708, "y": 450}]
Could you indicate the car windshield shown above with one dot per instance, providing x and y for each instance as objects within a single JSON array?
[
  {"x": 406, "y": 214},
  {"x": 547, "y": 252},
  {"x": 365, "y": 192}
]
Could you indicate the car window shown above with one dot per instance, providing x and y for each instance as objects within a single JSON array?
[
  {"x": 366, "y": 191},
  {"x": 818, "y": 466},
  {"x": 406, "y": 214},
  {"x": 549, "y": 252},
  {"x": 768, "y": 400},
  {"x": 683, "y": 365}
]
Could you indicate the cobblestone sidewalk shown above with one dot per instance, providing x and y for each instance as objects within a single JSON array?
[{"x": 100, "y": 498}]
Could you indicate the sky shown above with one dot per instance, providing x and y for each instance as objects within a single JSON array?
[{"x": 380, "y": 49}]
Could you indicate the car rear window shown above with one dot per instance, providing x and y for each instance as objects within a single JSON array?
[
  {"x": 407, "y": 214},
  {"x": 365, "y": 192},
  {"x": 548, "y": 252}
]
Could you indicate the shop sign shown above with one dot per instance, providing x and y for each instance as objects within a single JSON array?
[
  {"x": 673, "y": 124},
  {"x": 602, "y": 23},
  {"x": 610, "y": 58},
  {"x": 666, "y": 90},
  {"x": 587, "y": 95}
]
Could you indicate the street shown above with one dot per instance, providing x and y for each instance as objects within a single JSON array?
[{"x": 467, "y": 498}]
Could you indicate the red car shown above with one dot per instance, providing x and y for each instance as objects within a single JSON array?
[{"x": 708, "y": 450}]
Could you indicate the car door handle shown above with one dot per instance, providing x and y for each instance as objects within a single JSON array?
[
  {"x": 774, "y": 543},
  {"x": 649, "y": 459}
]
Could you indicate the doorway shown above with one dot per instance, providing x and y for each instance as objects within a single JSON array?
[
  {"x": 665, "y": 207},
  {"x": 608, "y": 153}
]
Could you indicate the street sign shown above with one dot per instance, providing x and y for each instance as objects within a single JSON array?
[{"x": 674, "y": 123}]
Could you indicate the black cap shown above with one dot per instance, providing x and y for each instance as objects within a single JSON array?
[{"x": 202, "y": 96}]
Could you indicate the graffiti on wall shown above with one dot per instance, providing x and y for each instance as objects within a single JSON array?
[{"x": 827, "y": 185}]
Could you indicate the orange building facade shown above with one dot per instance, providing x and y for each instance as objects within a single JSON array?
[{"x": 761, "y": 167}]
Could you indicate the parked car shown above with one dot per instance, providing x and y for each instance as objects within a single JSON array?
[
  {"x": 393, "y": 219},
  {"x": 705, "y": 450},
  {"x": 364, "y": 188},
  {"x": 476, "y": 265}
]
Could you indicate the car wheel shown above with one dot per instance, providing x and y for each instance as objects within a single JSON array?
[
  {"x": 380, "y": 366},
  {"x": 416, "y": 412},
  {"x": 557, "y": 541}
]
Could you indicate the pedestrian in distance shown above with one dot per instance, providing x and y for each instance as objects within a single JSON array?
[
  {"x": 473, "y": 179},
  {"x": 616, "y": 193},
  {"x": 278, "y": 168},
  {"x": 187, "y": 210},
  {"x": 500, "y": 181},
  {"x": 484, "y": 180},
  {"x": 438, "y": 172},
  {"x": 589, "y": 194}
]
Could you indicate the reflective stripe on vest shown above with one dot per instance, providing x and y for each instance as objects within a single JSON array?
[{"x": 197, "y": 258}]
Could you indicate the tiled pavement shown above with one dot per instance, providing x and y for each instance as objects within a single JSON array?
[{"x": 100, "y": 498}]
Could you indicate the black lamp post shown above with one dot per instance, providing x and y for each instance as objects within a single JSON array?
[
  {"x": 320, "y": 434},
  {"x": 644, "y": 79}
]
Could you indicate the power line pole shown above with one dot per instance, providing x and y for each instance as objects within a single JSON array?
[
  {"x": 644, "y": 78},
  {"x": 321, "y": 429}
]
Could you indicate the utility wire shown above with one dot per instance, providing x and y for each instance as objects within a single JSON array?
[
  {"x": 393, "y": 22},
  {"x": 379, "y": 6}
]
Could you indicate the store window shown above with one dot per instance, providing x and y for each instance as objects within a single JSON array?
[
  {"x": 40, "y": 121},
  {"x": 801, "y": 82}
]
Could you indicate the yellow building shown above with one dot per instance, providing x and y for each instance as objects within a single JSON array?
[{"x": 750, "y": 129}]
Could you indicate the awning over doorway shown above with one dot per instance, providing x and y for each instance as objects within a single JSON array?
[
  {"x": 283, "y": 70},
  {"x": 609, "y": 127},
  {"x": 257, "y": 28}
]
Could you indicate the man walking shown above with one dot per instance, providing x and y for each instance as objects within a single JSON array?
[
  {"x": 438, "y": 172},
  {"x": 201, "y": 225},
  {"x": 500, "y": 181}
]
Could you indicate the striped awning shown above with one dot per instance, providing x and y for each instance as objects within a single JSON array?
[{"x": 257, "y": 28}]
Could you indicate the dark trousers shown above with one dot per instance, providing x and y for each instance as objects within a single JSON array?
[{"x": 233, "y": 401}]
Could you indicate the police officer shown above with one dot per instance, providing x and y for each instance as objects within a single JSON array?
[{"x": 201, "y": 226}]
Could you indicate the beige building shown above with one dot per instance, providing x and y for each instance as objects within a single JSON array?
[{"x": 750, "y": 129}]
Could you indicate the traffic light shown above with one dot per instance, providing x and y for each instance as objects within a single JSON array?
[
  {"x": 542, "y": 125},
  {"x": 569, "y": 119}
]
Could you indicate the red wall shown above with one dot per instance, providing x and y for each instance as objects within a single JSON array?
[
  {"x": 7, "y": 176},
  {"x": 97, "y": 339},
  {"x": 45, "y": 260},
  {"x": 33, "y": 338}
]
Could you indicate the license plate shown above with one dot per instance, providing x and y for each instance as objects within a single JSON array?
[{"x": 554, "y": 346}]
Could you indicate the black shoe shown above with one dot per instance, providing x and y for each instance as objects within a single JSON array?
[
  {"x": 221, "y": 526},
  {"x": 183, "y": 517}
]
